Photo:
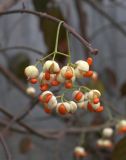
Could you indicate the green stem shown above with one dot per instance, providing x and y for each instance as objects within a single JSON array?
[
  {"x": 82, "y": 139},
  {"x": 57, "y": 38},
  {"x": 63, "y": 54},
  {"x": 69, "y": 59},
  {"x": 41, "y": 59}
]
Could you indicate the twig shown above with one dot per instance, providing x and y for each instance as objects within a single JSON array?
[
  {"x": 45, "y": 15},
  {"x": 82, "y": 20},
  {"x": 22, "y": 48},
  {"x": 9, "y": 75},
  {"x": 8, "y": 154},
  {"x": 27, "y": 127}
]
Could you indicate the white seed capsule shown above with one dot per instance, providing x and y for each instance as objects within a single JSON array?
[
  {"x": 79, "y": 152},
  {"x": 67, "y": 72},
  {"x": 83, "y": 105},
  {"x": 82, "y": 65},
  {"x": 78, "y": 96},
  {"x": 60, "y": 78},
  {"x": 52, "y": 102},
  {"x": 107, "y": 132},
  {"x": 78, "y": 73},
  {"x": 73, "y": 106},
  {"x": 46, "y": 92},
  {"x": 51, "y": 66},
  {"x": 107, "y": 143},
  {"x": 121, "y": 124},
  {"x": 31, "y": 72},
  {"x": 100, "y": 142},
  {"x": 93, "y": 94},
  {"x": 31, "y": 91}
]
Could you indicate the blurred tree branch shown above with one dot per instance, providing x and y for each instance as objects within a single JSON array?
[
  {"x": 22, "y": 48},
  {"x": 99, "y": 9},
  {"x": 26, "y": 126},
  {"x": 13, "y": 79},
  {"x": 47, "y": 16},
  {"x": 82, "y": 20},
  {"x": 8, "y": 154}
]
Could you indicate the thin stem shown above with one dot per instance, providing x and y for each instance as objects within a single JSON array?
[
  {"x": 82, "y": 139},
  {"x": 63, "y": 54},
  {"x": 69, "y": 53},
  {"x": 42, "y": 59},
  {"x": 57, "y": 35},
  {"x": 57, "y": 38}
]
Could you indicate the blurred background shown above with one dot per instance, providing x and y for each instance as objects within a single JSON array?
[{"x": 25, "y": 38}]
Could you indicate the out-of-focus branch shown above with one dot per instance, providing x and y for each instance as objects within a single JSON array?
[
  {"x": 7, "y": 4},
  {"x": 8, "y": 154},
  {"x": 99, "y": 9},
  {"x": 54, "y": 19},
  {"x": 9, "y": 75},
  {"x": 22, "y": 48},
  {"x": 82, "y": 20},
  {"x": 103, "y": 28},
  {"x": 27, "y": 127},
  {"x": 82, "y": 17}
]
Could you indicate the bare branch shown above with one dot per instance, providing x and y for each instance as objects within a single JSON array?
[
  {"x": 47, "y": 16},
  {"x": 8, "y": 154},
  {"x": 27, "y": 127},
  {"x": 22, "y": 48}
]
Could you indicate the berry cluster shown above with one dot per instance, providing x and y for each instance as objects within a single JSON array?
[
  {"x": 105, "y": 141},
  {"x": 52, "y": 75}
]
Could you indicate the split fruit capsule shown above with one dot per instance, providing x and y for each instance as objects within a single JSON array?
[
  {"x": 63, "y": 108},
  {"x": 51, "y": 66},
  {"x": 32, "y": 73},
  {"x": 121, "y": 126},
  {"x": 78, "y": 96},
  {"x": 79, "y": 152}
]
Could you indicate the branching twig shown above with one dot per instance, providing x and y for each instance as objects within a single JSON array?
[
  {"x": 27, "y": 127},
  {"x": 47, "y": 16}
]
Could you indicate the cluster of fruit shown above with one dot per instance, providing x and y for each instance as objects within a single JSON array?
[
  {"x": 89, "y": 101},
  {"x": 105, "y": 141},
  {"x": 107, "y": 133},
  {"x": 53, "y": 75}
]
